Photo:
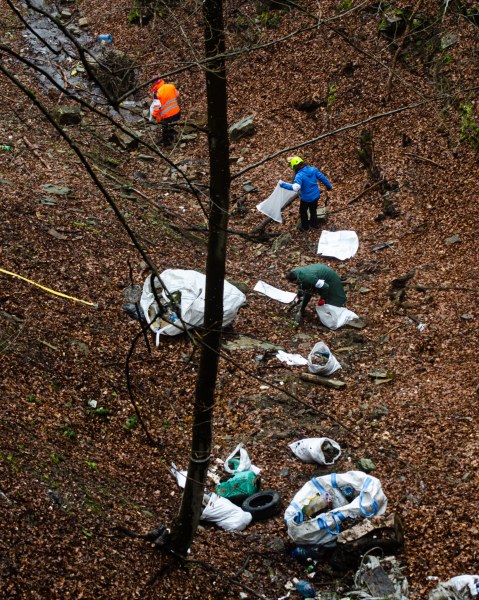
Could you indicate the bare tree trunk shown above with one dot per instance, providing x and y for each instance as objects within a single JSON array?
[{"x": 187, "y": 520}]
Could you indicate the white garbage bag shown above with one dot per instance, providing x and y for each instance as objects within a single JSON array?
[
  {"x": 330, "y": 365},
  {"x": 273, "y": 205},
  {"x": 462, "y": 587},
  {"x": 311, "y": 450},
  {"x": 334, "y": 317},
  {"x": 192, "y": 286},
  {"x": 323, "y": 503},
  {"x": 225, "y": 514}
]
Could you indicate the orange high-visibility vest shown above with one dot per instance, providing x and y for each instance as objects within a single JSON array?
[{"x": 167, "y": 95}]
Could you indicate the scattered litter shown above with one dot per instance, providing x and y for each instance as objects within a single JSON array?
[
  {"x": 318, "y": 511},
  {"x": 105, "y": 38},
  {"x": 305, "y": 589},
  {"x": 274, "y": 293},
  {"x": 322, "y": 361},
  {"x": 295, "y": 360},
  {"x": 379, "y": 578},
  {"x": 273, "y": 205},
  {"x": 338, "y": 244},
  {"x": 421, "y": 327},
  {"x": 461, "y": 587},
  {"x": 323, "y": 451},
  {"x": 92, "y": 403},
  {"x": 334, "y": 317}
]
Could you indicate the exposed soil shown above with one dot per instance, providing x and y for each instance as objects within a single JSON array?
[{"x": 73, "y": 471}]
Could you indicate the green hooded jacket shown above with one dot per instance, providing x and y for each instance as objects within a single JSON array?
[{"x": 332, "y": 291}]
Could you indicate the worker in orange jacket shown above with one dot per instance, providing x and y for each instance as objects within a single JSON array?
[{"x": 165, "y": 108}]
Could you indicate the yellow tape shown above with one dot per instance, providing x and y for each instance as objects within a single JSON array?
[{"x": 50, "y": 291}]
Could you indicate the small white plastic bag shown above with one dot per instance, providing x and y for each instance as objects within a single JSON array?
[{"x": 244, "y": 461}]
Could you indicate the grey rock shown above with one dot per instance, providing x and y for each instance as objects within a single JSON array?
[
  {"x": 448, "y": 39},
  {"x": 365, "y": 464},
  {"x": 67, "y": 115},
  {"x": 243, "y": 342},
  {"x": 57, "y": 190},
  {"x": 276, "y": 544},
  {"x": 454, "y": 239},
  {"x": 81, "y": 346},
  {"x": 380, "y": 411},
  {"x": 281, "y": 242},
  {"x": 242, "y": 128},
  {"x": 124, "y": 140}
]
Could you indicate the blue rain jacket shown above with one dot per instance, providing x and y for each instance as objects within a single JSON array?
[{"x": 307, "y": 178}]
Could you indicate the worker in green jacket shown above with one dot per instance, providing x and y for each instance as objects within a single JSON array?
[{"x": 317, "y": 279}]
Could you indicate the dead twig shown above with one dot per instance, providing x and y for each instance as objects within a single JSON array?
[
  {"x": 424, "y": 159},
  {"x": 35, "y": 153},
  {"x": 364, "y": 192}
]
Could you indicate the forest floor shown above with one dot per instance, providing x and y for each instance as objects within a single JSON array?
[{"x": 72, "y": 474}]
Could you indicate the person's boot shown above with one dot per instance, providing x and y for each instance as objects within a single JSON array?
[{"x": 300, "y": 227}]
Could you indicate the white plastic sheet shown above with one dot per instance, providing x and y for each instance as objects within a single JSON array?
[
  {"x": 293, "y": 360},
  {"x": 192, "y": 286},
  {"x": 335, "y": 317},
  {"x": 274, "y": 293},
  {"x": 336, "y": 490},
  {"x": 273, "y": 205},
  {"x": 338, "y": 244},
  {"x": 331, "y": 365}
]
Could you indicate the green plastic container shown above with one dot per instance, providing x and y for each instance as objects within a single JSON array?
[{"x": 239, "y": 487}]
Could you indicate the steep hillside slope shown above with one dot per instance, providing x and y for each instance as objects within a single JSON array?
[{"x": 71, "y": 474}]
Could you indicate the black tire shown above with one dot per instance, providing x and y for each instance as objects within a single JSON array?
[{"x": 263, "y": 505}]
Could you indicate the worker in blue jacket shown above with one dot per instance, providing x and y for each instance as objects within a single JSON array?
[{"x": 305, "y": 182}]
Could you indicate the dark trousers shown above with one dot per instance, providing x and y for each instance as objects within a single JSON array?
[
  {"x": 167, "y": 130},
  {"x": 312, "y": 208}
]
